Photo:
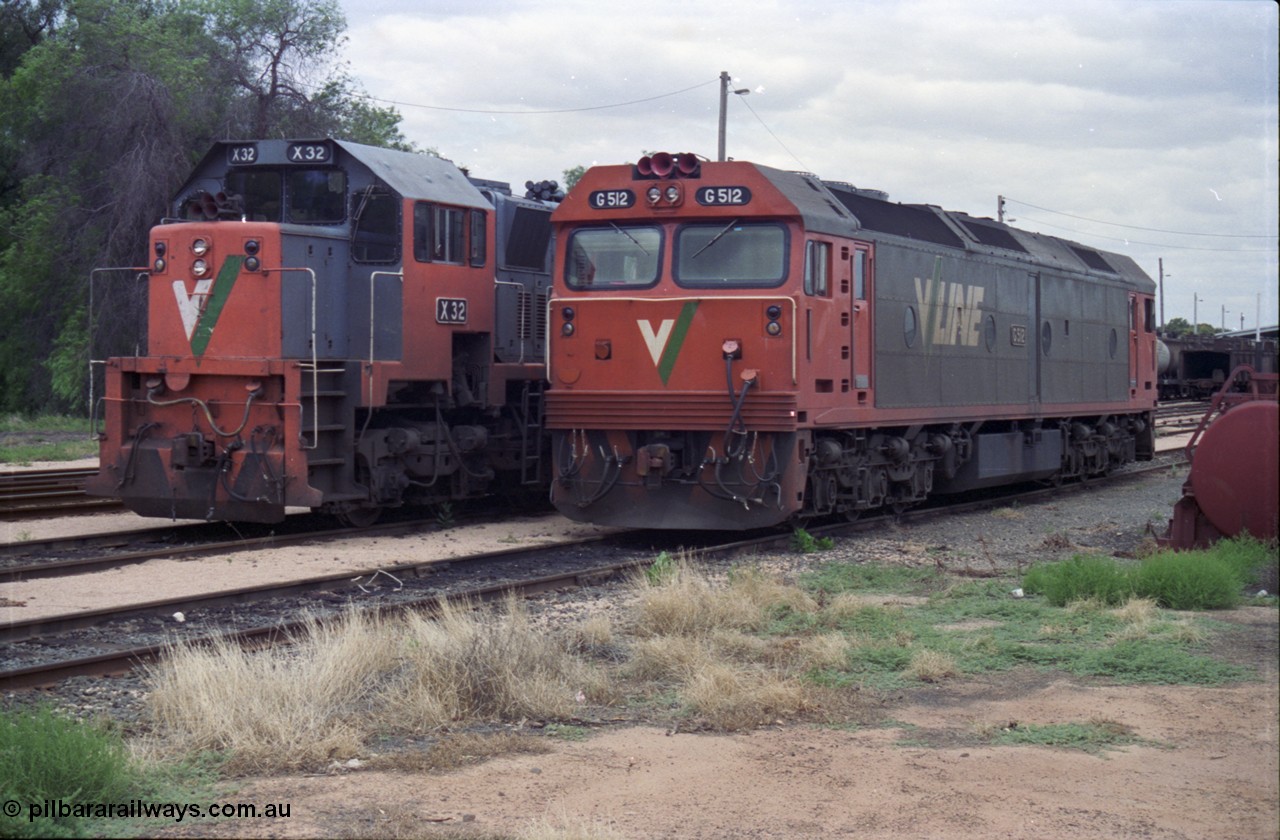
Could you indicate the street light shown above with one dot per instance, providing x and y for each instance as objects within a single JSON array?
[{"x": 724, "y": 105}]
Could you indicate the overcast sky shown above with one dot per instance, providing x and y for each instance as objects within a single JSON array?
[{"x": 1147, "y": 127}]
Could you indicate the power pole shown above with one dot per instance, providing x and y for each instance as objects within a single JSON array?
[
  {"x": 724, "y": 105},
  {"x": 1162, "y": 294}
]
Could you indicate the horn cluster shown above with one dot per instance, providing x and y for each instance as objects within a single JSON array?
[
  {"x": 667, "y": 165},
  {"x": 209, "y": 206}
]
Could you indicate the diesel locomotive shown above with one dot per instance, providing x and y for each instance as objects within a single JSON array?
[
  {"x": 734, "y": 346},
  {"x": 331, "y": 326}
]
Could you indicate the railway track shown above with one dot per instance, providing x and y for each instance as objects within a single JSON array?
[
  {"x": 48, "y": 492},
  {"x": 31, "y": 494},
  {"x": 414, "y": 585}
]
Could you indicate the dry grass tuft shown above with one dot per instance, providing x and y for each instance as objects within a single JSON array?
[
  {"x": 479, "y": 664},
  {"x": 931, "y": 666},
  {"x": 288, "y": 708},
  {"x": 731, "y": 699},
  {"x": 321, "y": 698},
  {"x": 686, "y": 603},
  {"x": 1137, "y": 611},
  {"x": 669, "y": 658}
]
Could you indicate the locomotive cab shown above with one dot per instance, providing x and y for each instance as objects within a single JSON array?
[{"x": 322, "y": 333}]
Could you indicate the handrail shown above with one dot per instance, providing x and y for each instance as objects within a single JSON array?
[{"x": 93, "y": 404}]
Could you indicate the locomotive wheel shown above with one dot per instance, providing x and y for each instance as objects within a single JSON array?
[{"x": 899, "y": 508}]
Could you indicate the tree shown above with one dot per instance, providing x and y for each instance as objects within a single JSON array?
[
  {"x": 276, "y": 58},
  {"x": 104, "y": 106},
  {"x": 573, "y": 176}
]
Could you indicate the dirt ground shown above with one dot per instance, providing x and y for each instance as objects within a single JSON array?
[{"x": 1206, "y": 767}]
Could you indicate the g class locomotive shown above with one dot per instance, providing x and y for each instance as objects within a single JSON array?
[
  {"x": 735, "y": 346},
  {"x": 331, "y": 326}
]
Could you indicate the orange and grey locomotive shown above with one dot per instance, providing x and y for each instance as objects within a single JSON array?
[
  {"x": 331, "y": 326},
  {"x": 735, "y": 346}
]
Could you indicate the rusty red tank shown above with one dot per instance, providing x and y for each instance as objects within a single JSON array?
[{"x": 1234, "y": 484}]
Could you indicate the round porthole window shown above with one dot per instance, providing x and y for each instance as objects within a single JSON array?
[
  {"x": 1114, "y": 344},
  {"x": 1046, "y": 338},
  {"x": 989, "y": 333},
  {"x": 910, "y": 326}
]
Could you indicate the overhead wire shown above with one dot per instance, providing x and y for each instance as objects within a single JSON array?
[
  {"x": 744, "y": 101},
  {"x": 1128, "y": 241},
  {"x": 546, "y": 111},
  {"x": 1137, "y": 227}
]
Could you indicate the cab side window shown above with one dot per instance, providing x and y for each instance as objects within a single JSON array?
[
  {"x": 817, "y": 268},
  {"x": 438, "y": 233},
  {"x": 377, "y": 229}
]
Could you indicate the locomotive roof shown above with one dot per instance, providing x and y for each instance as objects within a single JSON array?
[
  {"x": 418, "y": 176},
  {"x": 412, "y": 174},
  {"x": 842, "y": 209}
]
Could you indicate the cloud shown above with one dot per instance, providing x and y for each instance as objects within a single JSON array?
[{"x": 1121, "y": 111}]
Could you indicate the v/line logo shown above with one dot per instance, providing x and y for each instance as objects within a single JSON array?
[
  {"x": 664, "y": 343},
  {"x": 951, "y": 313},
  {"x": 201, "y": 308}
]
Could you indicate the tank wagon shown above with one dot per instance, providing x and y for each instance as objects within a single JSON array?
[
  {"x": 331, "y": 326},
  {"x": 1234, "y": 484},
  {"x": 1196, "y": 366},
  {"x": 735, "y": 346}
]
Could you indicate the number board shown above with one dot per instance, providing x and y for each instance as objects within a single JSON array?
[
  {"x": 242, "y": 154},
  {"x": 723, "y": 196},
  {"x": 1018, "y": 335},
  {"x": 451, "y": 310},
  {"x": 611, "y": 199},
  {"x": 309, "y": 153}
]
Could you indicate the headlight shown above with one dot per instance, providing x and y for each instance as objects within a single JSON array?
[
  {"x": 199, "y": 247},
  {"x": 199, "y": 268}
]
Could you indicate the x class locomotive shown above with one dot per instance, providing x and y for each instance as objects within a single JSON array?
[
  {"x": 735, "y": 346},
  {"x": 331, "y": 326}
]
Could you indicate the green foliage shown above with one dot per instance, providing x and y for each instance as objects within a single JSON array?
[
  {"x": 573, "y": 176},
  {"x": 1078, "y": 579},
  {"x": 1188, "y": 581},
  {"x": 834, "y": 578},
  {"x": 1156, "y": 662},
  {"x": 805, "y": 543},
  {"x": 661, "y": 569},
  {"x": 1185, "y": 580},
  {"x": 45, "y": 756},
  {"x": 978, "y": 627},
  {"x": 1091, "y": 737},
  {"x": 103, "y": 116}
]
